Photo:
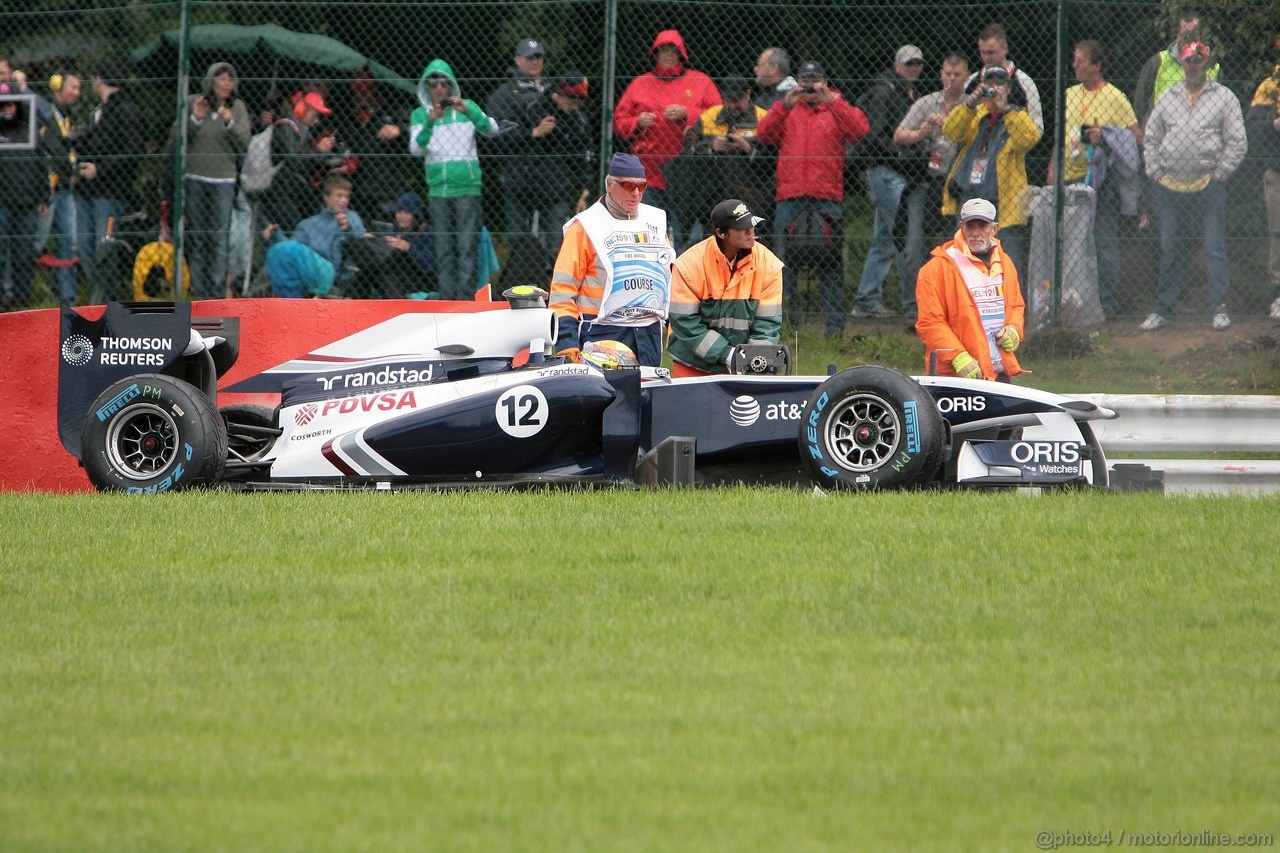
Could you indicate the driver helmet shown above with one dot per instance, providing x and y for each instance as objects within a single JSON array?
[{"x": 609, "y": 355}]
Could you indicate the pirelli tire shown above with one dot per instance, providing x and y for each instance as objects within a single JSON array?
[
  {"x": 152, "y": 433},
  {"x": 872, "y": 428}
]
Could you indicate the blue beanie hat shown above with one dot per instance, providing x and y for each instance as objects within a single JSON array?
[
  {"x": 626, "y": 167},
  {"x": 411, "y": 203}
]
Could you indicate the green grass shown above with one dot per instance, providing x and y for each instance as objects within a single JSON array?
[{"x": 738, "y": 669}]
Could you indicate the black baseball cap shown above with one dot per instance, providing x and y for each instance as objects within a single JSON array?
[
  {"x": 811, "y": 69},
  {"x": 733, "y": 213}
]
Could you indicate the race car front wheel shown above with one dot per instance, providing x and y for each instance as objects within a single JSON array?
[
  {"x": 152, "y": 433},
  {"x": 871, "y": 428}
]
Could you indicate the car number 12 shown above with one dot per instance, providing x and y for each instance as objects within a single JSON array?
[{"x": 522, "y": 411}]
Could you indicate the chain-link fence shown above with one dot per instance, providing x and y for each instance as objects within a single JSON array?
[{"x": 146, "y": 113}]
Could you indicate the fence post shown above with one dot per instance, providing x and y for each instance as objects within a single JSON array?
[
  {"x": 180, "y": 154},
  {"x": 607, "y": 84},
  {"x": 1055, "y": 157}
]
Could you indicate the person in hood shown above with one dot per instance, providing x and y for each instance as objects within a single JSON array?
[
  {"x": 218, "y": 131},
  {"x": 655, "y": 111},
  {"x": 443, "y": 132}
]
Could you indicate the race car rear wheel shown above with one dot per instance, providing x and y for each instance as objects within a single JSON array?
[
  {"x": 152, "y": 433},
  {"x": 871, "y": 428}
]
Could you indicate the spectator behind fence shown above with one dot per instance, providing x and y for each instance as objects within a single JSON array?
[
  {"x": 994, "y": 133},
  {"x": 922, "y": 143},
  {"x": 67, "y": 215},
  {"x": 375, "y": 137},
  {"x": 612, "y": 278},
  {"x": 512, "y": 105},
  {"x": 773, "y": 76},
  {"x": 972, "y": 315},
  {"x": 1101, "y": 139},
  {"x": 297, "y": 154},
  {"x": 25, "y": 180},
  {"x": 557, "y": 176},
  {"x": 726, "y": 291},
  {"x": 810, "y": 127},
  {"x": 409, "y": 269},
  {"x": 655, "y": 111},
  {"x": 993, "y": 47},
  {"x": 109, "y": 156},
  {"x": 443, "y": 132},
  {"x": 326, "y": 232},
  {"x": 1263, "y": 121},
  {"x": 723, "y": 158},
  {"x": 338, "y": 235},
  {"x": 218, "y": 131},
  {"x": 890, "y": 175},
  {"x": 1195, "y": 140},
  {"x": 1164, "y": 69}
]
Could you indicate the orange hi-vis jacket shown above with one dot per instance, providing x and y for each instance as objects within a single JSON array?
[
  {"x": 949, "y": 323},
  {"x": 715, "y": 307}
]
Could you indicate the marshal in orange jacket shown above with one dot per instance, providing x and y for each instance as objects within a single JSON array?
[{"x": 948, "y": 320}]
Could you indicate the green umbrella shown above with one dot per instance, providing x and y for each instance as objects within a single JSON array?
[{"x": 267, "y": 52}]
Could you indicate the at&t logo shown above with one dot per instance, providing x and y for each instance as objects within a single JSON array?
[{"x": 746, "y": 410}]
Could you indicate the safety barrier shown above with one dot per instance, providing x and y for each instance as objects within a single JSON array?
[{"x": 1200, "y": 425}]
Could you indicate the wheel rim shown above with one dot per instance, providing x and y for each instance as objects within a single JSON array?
[
  {"x": 862, "y": 432},
  {"x": 142, "y": 442}
]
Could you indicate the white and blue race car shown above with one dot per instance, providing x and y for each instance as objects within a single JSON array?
[{"x": 468, "y": 400}]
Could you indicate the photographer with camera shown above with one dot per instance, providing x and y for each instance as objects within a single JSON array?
[
  {"x": 723, "y": 158},
  {"x": 26, "y": 194},
  {"x": 218, "y": 130},
  {"x": 443, "y": 132},
  {"x": 725, "y": 291},
  {"x": 994, "y": 132},
  {"x": 810, "y": 126}
]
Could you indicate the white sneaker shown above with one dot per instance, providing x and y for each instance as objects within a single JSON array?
[
  {"x": 1275, "y": 309},
  {"x": 1153, "y": 322},
  {"x": 1221, "y": 321}
]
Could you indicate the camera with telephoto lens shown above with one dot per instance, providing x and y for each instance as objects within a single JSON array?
[{"x": 989, "y": 92}]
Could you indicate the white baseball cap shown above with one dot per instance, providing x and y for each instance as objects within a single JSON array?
[{"x": 978, "y": 208}]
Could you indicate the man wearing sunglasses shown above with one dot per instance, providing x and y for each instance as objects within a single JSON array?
[{"x": 612, "y": 278}]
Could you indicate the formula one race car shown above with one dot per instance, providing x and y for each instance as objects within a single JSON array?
[{"x": 477, "y": 399}]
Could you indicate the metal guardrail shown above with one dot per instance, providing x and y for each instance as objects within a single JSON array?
[{"x": 1201, "y": 424}]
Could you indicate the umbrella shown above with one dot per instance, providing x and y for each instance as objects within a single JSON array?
[{"x": 267, "y": 52}]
